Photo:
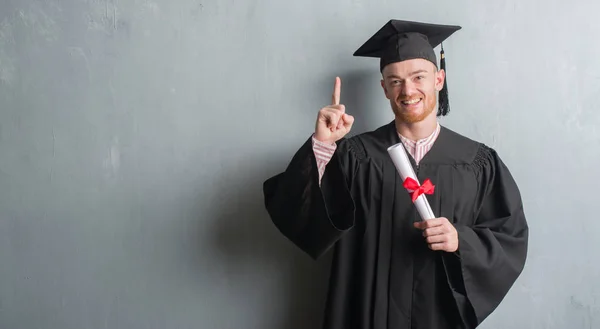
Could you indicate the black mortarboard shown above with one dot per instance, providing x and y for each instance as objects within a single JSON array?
[{"x": 401, "y": 40}]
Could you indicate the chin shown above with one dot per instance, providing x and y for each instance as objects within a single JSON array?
[
  {"x": 411, "y": 118},
  {"x": 411, "y": 115}
]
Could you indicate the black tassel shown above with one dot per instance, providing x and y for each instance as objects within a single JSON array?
[{"x": 444, "y": 104}]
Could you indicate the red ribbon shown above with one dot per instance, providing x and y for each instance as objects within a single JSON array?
[{"x": 426, "y": 188}]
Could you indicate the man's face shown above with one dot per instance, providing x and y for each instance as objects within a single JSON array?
[{"x": 412, "y": 86}]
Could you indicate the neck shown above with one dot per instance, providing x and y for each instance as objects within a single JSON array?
[{"x": 417, "y": 130}]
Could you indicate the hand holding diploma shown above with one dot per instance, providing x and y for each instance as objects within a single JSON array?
[{"x": 439, "y": 233}]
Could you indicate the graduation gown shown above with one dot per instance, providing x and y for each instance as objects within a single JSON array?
[{"x": 383, "y": 274}]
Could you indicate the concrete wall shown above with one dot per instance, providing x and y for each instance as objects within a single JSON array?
[{"x": 135, "y": 136}]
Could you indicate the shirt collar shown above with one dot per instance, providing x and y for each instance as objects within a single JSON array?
[{"x": 427, "y": 140}]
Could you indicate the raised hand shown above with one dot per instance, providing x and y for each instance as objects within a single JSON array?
[{"x": 333, "y": 122}]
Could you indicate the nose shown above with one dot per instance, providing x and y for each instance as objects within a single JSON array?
[{"x": 408, "y": 88}]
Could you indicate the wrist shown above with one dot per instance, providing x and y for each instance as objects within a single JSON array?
[{"x": 317, "y": 139}]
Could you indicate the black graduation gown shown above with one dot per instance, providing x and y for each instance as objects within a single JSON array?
[{"x": 383, "y": 274}]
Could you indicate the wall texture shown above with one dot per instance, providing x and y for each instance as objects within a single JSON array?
[{"x": 135, "y": 136}]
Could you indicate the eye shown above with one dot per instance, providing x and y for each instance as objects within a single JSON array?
[{"x": 420, "y": 77}]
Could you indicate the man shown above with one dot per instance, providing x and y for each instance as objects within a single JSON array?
[{"x": 391, "y": 269}]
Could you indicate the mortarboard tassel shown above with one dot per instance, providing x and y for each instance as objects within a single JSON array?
[{"x": 444, "y": 105}]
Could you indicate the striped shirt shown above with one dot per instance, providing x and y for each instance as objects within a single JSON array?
[{"x": 417, "y": 149}]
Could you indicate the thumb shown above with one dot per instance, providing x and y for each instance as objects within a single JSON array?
[{"x": 348, "y": 120}]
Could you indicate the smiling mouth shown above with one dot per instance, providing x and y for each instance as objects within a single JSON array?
[{"x": 412, "y": 101}]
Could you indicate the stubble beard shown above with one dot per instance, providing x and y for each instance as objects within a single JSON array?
[{"x": 409, "y": 117}]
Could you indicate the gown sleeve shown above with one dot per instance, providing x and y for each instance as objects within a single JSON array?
[
  {"x": 313, "y": 217},
  {"x": 493, "y": 251}
]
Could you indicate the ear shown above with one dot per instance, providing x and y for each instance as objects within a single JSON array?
[
  {"x": 440, "y": 76},
  {"x": 385, "y": 91}
]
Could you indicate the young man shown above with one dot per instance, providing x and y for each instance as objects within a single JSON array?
[{"x": 392, "y": 270}]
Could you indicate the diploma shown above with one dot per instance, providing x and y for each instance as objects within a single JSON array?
[{"x": 411, "y": 182}]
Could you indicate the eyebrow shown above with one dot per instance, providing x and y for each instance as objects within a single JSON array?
[{"x": 411, "y": 74}]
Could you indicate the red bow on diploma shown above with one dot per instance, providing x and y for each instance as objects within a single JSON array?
[{"x": 426, "y": 188}]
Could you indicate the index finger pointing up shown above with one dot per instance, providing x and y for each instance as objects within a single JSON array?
[{"x": 337, "y": 90}]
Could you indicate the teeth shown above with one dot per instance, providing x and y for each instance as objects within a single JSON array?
[{"x": 412, "y": 101}]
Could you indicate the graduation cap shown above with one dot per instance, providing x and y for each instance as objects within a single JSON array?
[{"x": 400, "y": 40}]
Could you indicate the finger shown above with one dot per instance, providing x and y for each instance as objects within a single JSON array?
[
  {"x": 428, "y": 223},
  {"x": 334, "y": 122},
  {"x": 436, "y": 239},
  {"x": 342, "y": 111},
  {"x": 339, "y": 108},
  {"x": 332, "y": 111},
  {"x": 433, "y": 231},
  {"x": 348, "y": 120},
  {"x": 434, "y": 222},
  {"x": 337, "y": 90},
  {"x": 438, "y": 246},
  {"x": 332, "y": 118}
]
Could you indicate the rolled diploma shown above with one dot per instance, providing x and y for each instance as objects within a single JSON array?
[{"x": 405, "y": 169}]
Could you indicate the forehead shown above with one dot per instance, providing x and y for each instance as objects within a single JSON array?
[{"x": 406, "y": 68}]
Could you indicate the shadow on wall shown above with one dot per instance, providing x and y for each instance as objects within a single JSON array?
[
  {"x": 270, "y": 270},
  {"x": 251, "y": 248}
]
